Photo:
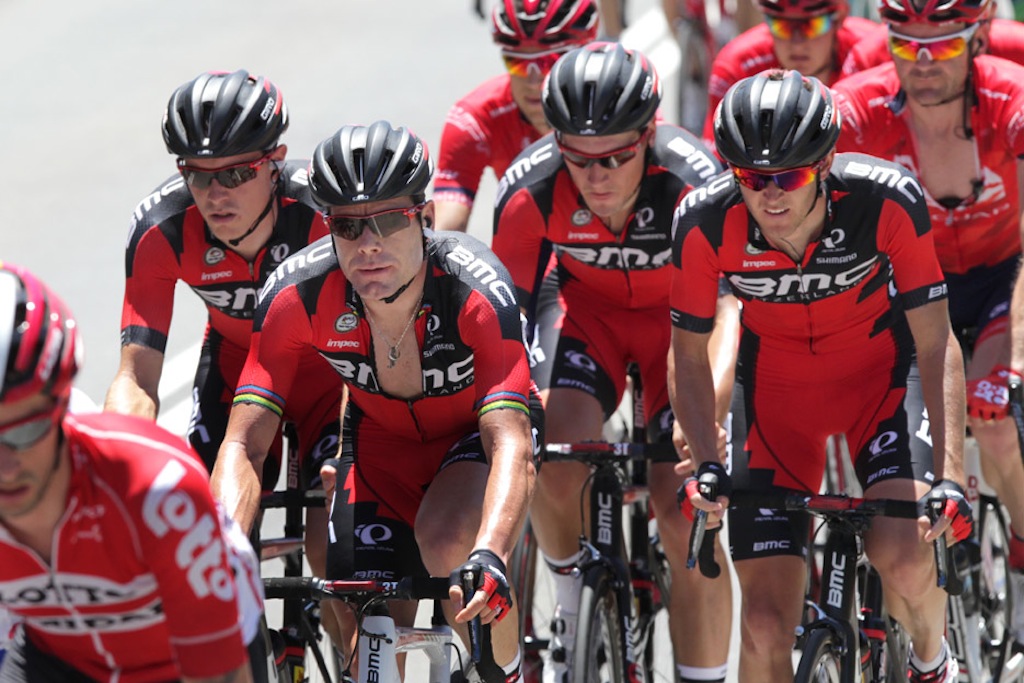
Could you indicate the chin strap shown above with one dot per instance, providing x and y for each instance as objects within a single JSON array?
[
  {"x": 398, "y": 292},
  {"x": 266, "y": 210}
]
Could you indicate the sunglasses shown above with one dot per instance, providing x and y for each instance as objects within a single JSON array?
[
  {"x": 790, "y": 180},
  {"x": 611, "y": 160},
  {"x": 29, "y": 430},
  {"x": 787, "y": 29},
  {"x": 525, "y": 64},
  {"x": 383, "y": 223},
  {"x": 937, "y": 49},
  {"x": 229, "y": 177}
]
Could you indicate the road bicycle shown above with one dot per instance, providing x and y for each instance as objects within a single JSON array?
[
  {"x": 380, "y": 640},
  {"x": 851, "y": 637}
]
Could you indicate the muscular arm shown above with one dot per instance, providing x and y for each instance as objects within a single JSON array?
[
  {"x": 451, "y": 216},
  {"x": 237, "y": 476},
  {"x": 942, "y": 382},
  {"x": 723, "y": 347},
  {"x": 508, "y": 442},
  {"x": 134, "y": 389},
  {"x": 1017, "y": 300},
  {"x": 692, "y": 393},
  {"x": 242, "y": 674}
]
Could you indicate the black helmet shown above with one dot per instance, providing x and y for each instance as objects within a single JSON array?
[
  {"x": 221, "y": 114},
  {"x": 776, "y": 119},
  {"x": 369, "y": 164},
  {"x": 601, "y": 89}
]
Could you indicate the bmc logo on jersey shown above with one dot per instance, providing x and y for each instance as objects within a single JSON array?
[
  {"x": 450, "y": 379},
  {"x": 699, "y": 161},
  {"x": 697, "y": 195},
  {"x": 484, "y": 272},
  {"x": 619, "y": 258},
  {"x": 300, "y": 260},
  {"x": 237, "y": 302},
  {"x": 521, "y": 167},
  {"x": 811, "y": 286},
  {"x": 359, "y": 372},
  {"x": 200, "y": 549},
  {"x": 890, "y": 176}
]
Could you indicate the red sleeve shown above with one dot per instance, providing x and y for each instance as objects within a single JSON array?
[
  {"x": 283, "y": 335},
  {"x": 465, "y": 152},
  {"x": 181, "y": 538},
  {"x": 151, "y": 272},
  {"x": 853, "y": 117},
  {"x": 501, "y": 370},
  {"x": 695, "y": 274},
  {"x": 907, "y": 240},
  {"x": 519, "y": 234}
]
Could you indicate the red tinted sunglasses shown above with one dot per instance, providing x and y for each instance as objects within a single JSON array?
[
  {"x": 611, "y": 159},
  {"x": 29, "y": 430},
  {"x": 937, "y": 49},
  {"x": 384, "y": 223},
  {"x": 787, "y": 29},
  {"x": 229, "y": 177},
  {"x": 790, "y": 180},
  {"x": 522, "y": 64}
]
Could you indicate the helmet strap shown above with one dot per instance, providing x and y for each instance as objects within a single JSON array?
[{"x": 266, "y": 210}]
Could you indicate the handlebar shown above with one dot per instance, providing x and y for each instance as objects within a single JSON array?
[
  {"x": 408, "y": 588},
  {"x": 601, "y": 452}
]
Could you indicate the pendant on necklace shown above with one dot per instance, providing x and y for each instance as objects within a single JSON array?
[{"x": 393, "y": 355}]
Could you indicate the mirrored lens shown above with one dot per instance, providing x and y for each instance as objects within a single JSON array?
[
  {"x": 229, "y": 177},
  {"x": 25, "y": 433},
  {"x": 522, "y": 65},
  {"x": 936, "y": 49},
  {"x": 787, "y": 29},
  {"x": 786, "y": 180},
  {"x": 611, "y": 159}
]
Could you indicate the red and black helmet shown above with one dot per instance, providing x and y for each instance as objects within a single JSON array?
[
  {"x": 934, "y": 11},
  {"x": 220, "y": 114},
  {"x": 543, "y": 24},
  {"x": 39, "y": 348},
  {"x": 802, "y": 9}
]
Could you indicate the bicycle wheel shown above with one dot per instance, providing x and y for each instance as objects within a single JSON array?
[
  {"x": 821, "y": 661},
  {"x": 535, "y": 594},
  {"x": 694, "y": 72},
  {"x": 995, "y": 600},
  {"x": 599, "y": 656}
]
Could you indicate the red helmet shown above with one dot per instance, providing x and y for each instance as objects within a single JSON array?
[
  {"x": 934, "y": 11},
  {"x": 802, "y": 8},
  {"x": 39, "y": 347},
  {"x": 543, "y": 24}
]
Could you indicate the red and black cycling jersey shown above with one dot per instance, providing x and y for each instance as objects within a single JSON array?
[
  {"x": 983, "y": 230},
  {"x": 1006, "y": 40},
  {"x": 468, "y": 329},
  {"x": 838, "y": 297},
  {"x": 148, "y": 580},
  {"x": 169, "y": 241},
  {"x": 753, "y": 51},
  {"x": 484, "y": 128},
  {"x": 539, "y": 205}
]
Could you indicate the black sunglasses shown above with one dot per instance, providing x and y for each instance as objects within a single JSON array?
[
  {"x": 229, "y": 177},
  {"x": 611, "y": 159},
  {"x": 383, "y": 223}
]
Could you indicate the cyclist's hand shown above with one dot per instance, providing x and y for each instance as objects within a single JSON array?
[
  {"x": 685, "y": 464},
  {"x": 709, "y": 474},
  {"x": 493, "y": 598},
  {"x": 987, "y": 398},
  {"x": 955, "y": 517},
  {"x": 329, "y": 480}
]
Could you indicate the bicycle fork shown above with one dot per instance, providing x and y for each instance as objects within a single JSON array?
[{"x": 839, "y": 599}]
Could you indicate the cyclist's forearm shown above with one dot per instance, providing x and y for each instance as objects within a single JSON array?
[
  {"x": 506, "y": 437},
  {"x": 125, "y": 396},
  {"x": 1017, "y": 324},
  {"x": 236, "y": 484},
  {"x": 692, "y": 395}
]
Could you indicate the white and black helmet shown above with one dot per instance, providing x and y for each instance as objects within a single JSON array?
[
  {"x": 219, "y": 114},
  {"x": 776, "y": 119},
  {"x": 601, "y": 89},
  {"x": 372, "y": 163}
]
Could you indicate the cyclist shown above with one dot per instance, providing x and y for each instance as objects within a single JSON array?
[
  {"x": 816, "y": 246},
  {"x": 1000, "y": 37},
  {"x": 234, "y": 212},
  {"x": 951, "y": 115},
  {"x": 809, "y": 36},
  {"x": 493, "y": 123},
  {"x": 116, "y": 559},
  {"x": 602, "y": 189},
  {"x": 425, "y": 330}
]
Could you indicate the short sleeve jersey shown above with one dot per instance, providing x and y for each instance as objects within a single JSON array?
[
  {"x": 753, "y": 51},
  {"x": 483, "y": 129},
  {"x": 1006, "y": 40},
  {"x": 981, "y": 232},
  {"x": 140, "y": 579},
  {"x": 538, "y": 204},
  {"x": 169, "y": 241},
  {"x": 468, "y": 329},
  {"x": 838, "y": 297}
]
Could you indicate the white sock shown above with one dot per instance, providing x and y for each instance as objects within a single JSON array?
[
  {"x": 568, "y": 585},
  {"x": 710, "y": 674},
  {"x": 925, "y": 667}
]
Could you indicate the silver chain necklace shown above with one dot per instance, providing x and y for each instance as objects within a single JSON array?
[{"x": 393, "y": 349}]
